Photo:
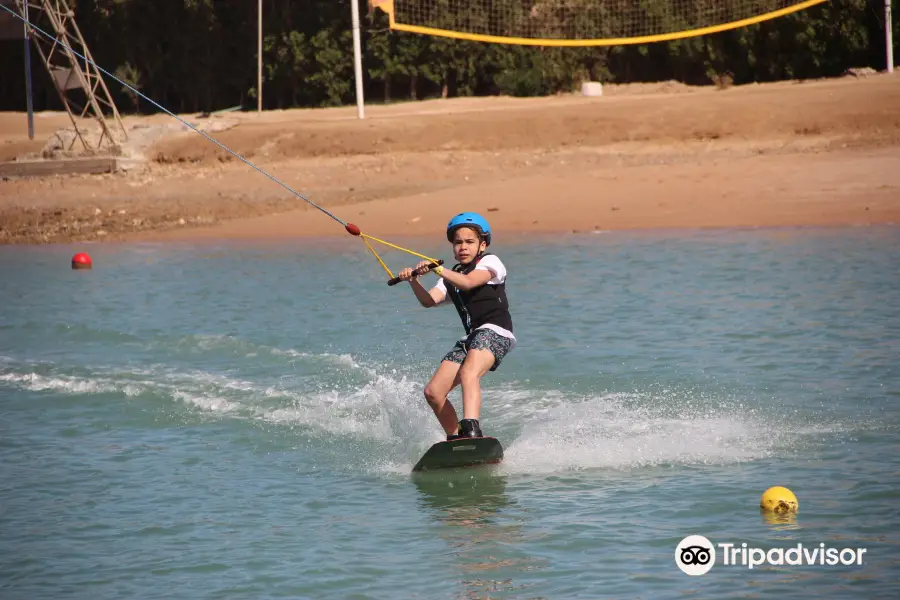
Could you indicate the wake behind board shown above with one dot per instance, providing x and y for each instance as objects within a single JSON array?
[{"x": 465, "y": 452}]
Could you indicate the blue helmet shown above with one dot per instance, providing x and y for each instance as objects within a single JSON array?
[{"x": 473, "y": 220}]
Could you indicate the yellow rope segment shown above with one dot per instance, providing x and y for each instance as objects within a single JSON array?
[
  {"x": 376, "y": 255},
  {"x": 407, "y": 250}
]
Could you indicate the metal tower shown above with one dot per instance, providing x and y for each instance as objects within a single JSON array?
[{"x": 70, "y": 72}]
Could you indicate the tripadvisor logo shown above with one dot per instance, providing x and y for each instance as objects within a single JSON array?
[{"x": 696, "y": 555}]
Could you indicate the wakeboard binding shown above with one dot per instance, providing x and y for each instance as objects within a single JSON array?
[{"x": 468, "y": 428}]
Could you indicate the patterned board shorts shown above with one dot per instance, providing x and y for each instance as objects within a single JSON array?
[{"x": 481, "y": 339}]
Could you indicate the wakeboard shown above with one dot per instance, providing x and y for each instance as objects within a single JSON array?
[{"x": 463, "y": 452}]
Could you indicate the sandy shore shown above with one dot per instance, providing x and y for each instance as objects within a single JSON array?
[{"x": 820, "y": 153}]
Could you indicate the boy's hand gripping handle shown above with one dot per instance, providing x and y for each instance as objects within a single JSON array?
[{"x": 431, "y": 267}]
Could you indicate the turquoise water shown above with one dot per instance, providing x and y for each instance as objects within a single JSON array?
[{"x": 239, "y": 420}]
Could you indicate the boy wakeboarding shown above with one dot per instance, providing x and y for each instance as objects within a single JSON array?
[{"x": 476, "y": 286}]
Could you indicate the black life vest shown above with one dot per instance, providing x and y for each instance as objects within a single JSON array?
[{"x": 483, "y": 305}]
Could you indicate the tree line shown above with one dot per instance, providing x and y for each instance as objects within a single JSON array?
[{"x": 200, "y": 55}]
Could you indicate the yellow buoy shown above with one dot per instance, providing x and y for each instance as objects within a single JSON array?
[{"x": 779, "y": 500}]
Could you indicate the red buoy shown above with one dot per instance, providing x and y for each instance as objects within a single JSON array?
[
  {"x": 82, "y": 261},
  {"x": 352, "y": 229}
]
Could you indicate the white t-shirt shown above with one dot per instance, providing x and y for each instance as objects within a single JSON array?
[{"x": 494, "y": 265}]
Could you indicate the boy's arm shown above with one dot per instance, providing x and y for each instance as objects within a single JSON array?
[
  {"x": 426, "y": 298},
  {"x": 476, "y": 278}
]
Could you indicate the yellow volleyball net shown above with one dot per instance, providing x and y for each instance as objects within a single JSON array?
[{"x": 580, "y": 22}]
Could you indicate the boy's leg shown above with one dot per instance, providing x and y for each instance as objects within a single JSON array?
[
  {"x": 442, "y": 383},
  {"x": 477, "y": 363}
]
